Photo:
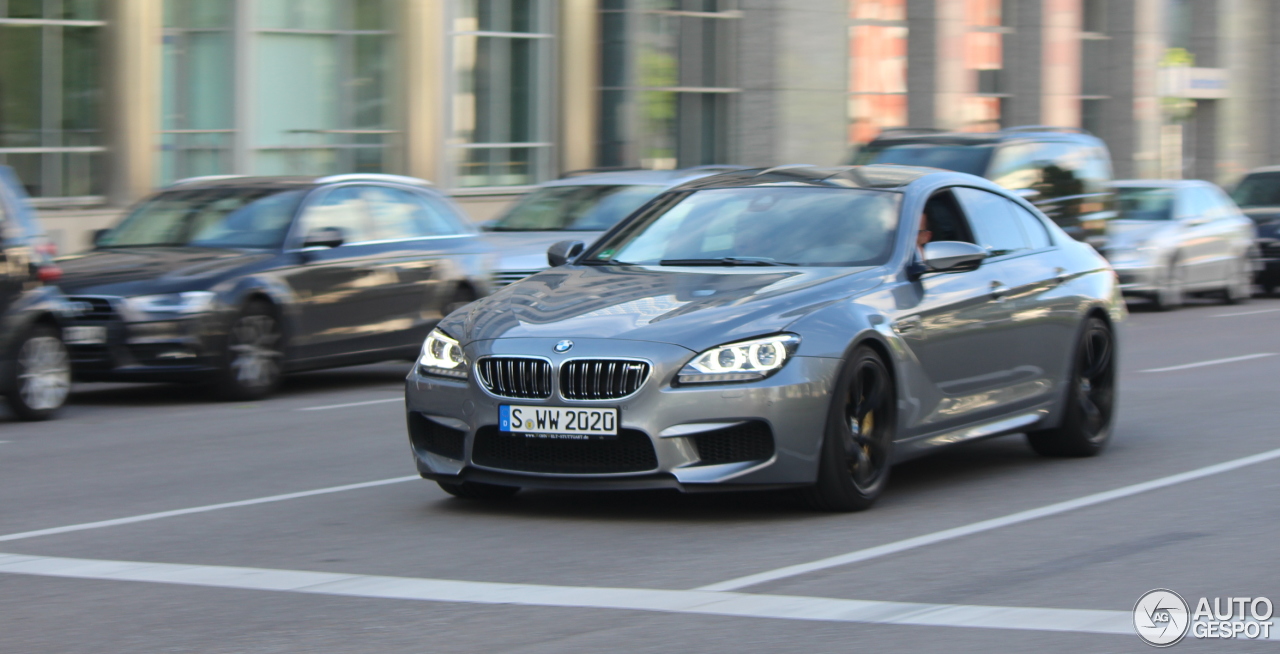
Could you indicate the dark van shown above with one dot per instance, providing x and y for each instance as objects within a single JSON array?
[{"x": 1063, "y": 171}]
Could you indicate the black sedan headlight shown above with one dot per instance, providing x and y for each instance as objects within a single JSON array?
[
  {"x": 442, "y": 356},
  {"x": 742, "y": 361}
]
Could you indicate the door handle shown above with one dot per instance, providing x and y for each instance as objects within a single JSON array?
[
  {"x": 1060, "y": 275},
  {"x": 999, "y": 290},
  {"x": 908, "y": 326}
]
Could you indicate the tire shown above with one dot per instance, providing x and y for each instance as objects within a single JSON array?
[
  {"x": 1169, "y": 294},
  {"x": 41, "y": 374},
  {"x": 472, "y": 490},
  {"x": 461, "y": 298},
  {"x": 857, "y": 444},
  {"x": 1239, "y": 284},
  {"x": 1089, "y": 412},
  {"x": 252, "y": 362}
]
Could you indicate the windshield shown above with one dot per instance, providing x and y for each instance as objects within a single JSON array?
[
  {"x": 1144, "y": 203},
  {"x": 1258, "y": 190},
  {"x": 761, "y": 226},
  {"x": 593, "y": 208},
  {"x": 211, "y": 218},
  {"x": 970, "y": 159}
]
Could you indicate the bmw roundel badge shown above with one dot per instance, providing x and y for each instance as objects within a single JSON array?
[{"x": 563, "y": 346}]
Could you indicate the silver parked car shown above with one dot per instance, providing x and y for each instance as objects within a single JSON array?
[
  {"x": 789, "y": 327},
  {"x": 581, "y": 206},
  {"x": 1173, "y": 238}
]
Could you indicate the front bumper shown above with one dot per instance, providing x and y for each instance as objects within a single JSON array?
[
  {"x": 163, "y": 350},
  {"x": 676, "y": 422},
  {"x": 1137, "y": 277}
]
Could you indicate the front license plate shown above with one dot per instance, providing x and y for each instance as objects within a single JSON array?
[
  {"x": 84, "y": 335},
  {"x": 558, "y": 422}
]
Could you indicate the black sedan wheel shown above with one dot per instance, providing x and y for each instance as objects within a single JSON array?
[
  {"x": 41, "y": 375},
  {"x": 1091, "y": 397},
  {"x": 858, "y": 444},
  {"x": 253, "y": 358}
]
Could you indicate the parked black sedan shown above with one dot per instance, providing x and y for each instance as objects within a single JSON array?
[{"x": 235, "y": 280}]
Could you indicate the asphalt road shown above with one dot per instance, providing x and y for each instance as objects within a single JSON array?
[{"x": 602, "y": 571}]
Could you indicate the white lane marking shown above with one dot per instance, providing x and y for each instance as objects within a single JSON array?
[
  {"x": 1214, "y": 362},
  {"x": 146, "y": 517},
  {"x": 987, "y": 525},
  {"x": 637, "y": 599},
  {"x": 1243, "y": 313},
  {"x": 348, "y": 404}
]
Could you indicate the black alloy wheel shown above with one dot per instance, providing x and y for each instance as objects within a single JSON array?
[
  {"x": 41, "y": 374},
  {"x": 857, "y": 448},
  {"x": 1091, "y": 397},
  {"x": 253, "y": 360}
]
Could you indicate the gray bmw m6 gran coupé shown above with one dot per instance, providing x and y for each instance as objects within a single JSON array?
[{"x": 792, "y": 327}]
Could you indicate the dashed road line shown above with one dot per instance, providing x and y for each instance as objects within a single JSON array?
[
  {"x": 1212, "y": 362},
  {"x": 147, "y": 517},
  {"x": 351, "y": 404},
  {"x": 1243, "y": 313},
  {"x": 782, "y": 607},
  {"x": 867, "y": 554}
]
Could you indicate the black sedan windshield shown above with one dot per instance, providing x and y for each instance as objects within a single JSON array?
[
  {"x": 1258, "y": 190},
  {"x": 970, "y": 159},
  {"x": 592, "y": 208},
  {"x": 212, "y": 218},
  {"x": 761, "y": 226}
]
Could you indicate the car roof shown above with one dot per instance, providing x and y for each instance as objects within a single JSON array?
[
  {"x": 284, "y": 182},
  {"x": 912, "y": 136},
  {"x": 889, "y": 177},
  {"x": 639, "y": 177}
]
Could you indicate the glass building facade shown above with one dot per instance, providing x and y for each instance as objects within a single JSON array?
[{"x": 51, "y": 90}]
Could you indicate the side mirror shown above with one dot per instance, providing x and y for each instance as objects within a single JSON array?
[
  {"x": 953, "y": 256},
  {"x": 564, "y": 251},
  {"x": 98, "y": 234},
  {"x": 1028, "y": 194},
  {"x": 324, "y": 237}
]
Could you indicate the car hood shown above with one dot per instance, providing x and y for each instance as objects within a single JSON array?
[
  {"x": 1126, "y": 234},
  {"x": 527, "y": 251},
  {"x": 693, "y": 307},
  {"x": 145, "y": 271}
]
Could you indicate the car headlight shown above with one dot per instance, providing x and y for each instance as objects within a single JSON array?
[
  {"x": 743, "y": 361},
  {"x": 189, "y": 303},
  {"x": 442, "y": 356}
]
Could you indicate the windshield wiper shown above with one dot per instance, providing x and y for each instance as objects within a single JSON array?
[{"x": 726, "y": 261}]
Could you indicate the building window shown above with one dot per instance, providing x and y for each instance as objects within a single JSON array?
[
  {"x": 986, "y": 29},
  {"x": 1095, "y": 61},
  {"x": 667, "y": 82},
  {"x": 198, "y": 89},
  {"x": 499, "y": 132},
  {"x": 295, "y": 87},
  {"x": 51, "y": 98},
  {"x": 877, "y": 67}
]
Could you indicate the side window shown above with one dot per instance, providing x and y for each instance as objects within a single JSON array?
[
  {"x": 994, "y": 223},
  {"x": 1015, "y": 166},
  {"x": 442, "y": 214},
  {"x": 944, "y": 219},
  {"x": 1037, "y": 233},
  {"x": 399, "y": 214},
  {"x": 1062, "y": 171},
  {"x": 342, "y": 208},
  {"x": 1195, "y": 203}
]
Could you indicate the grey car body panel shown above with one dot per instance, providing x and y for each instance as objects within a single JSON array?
[{"x": 966, "y": 365}]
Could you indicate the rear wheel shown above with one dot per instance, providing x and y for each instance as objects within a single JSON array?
[
  {"x": 1091, "y": 395},
  {"x": 41, "y": 377},
  {"x": 858, "y": 443},
  {"x": 252, "y": 367},
  {"x": 1169, "y": 293},
  {"x": 471, "y": 490},
  {"x": 1239, "y": 282}
]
